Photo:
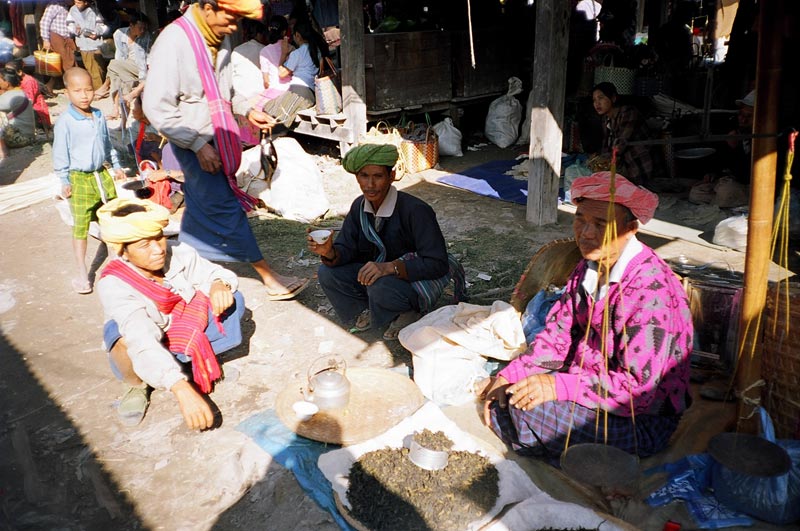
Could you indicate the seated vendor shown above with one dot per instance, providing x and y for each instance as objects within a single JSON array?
[
  {"x": 165, "y": 306},
  {"x": 642, "y": 383},
  {"x": 623, "y": 124},
  {"x": 389, "y": 261}
]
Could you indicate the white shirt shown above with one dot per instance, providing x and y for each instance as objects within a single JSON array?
[
  {"x": 589, "y": 284},
  {"x": 247, "y": 78}
]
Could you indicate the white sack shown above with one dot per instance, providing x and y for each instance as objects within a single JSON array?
[
  {"x": 449, "y": 138},
  {"x": 732, "y": 232},
  {"x": 296, "y": 191},
  {"x": 505, "y": 113},
  {"x": 449, "y": 347}
]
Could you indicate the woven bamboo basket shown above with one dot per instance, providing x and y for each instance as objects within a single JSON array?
[{"x": 780, "y": 361}]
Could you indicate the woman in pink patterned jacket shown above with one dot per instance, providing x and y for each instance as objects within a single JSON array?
[{"x": 644, "y": 375}]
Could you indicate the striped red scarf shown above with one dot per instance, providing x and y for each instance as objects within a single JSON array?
[
  {"x": 186, "y": 332},
  {"x": 226, "y": 129}
]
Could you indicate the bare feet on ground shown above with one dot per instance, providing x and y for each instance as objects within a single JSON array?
[{"x": 195, "y": 410}]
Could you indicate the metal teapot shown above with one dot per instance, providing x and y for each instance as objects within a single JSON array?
[{"x": 328, "y": 386}]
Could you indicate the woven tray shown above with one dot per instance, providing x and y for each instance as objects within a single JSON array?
[
  {"x": 379, "y": 399},
  {"x": 780, "y": 362}
]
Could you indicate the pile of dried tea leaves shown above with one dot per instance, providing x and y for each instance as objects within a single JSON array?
[
  {"x": 433, "y": 440},
  {"x": 388, "y": 492}
]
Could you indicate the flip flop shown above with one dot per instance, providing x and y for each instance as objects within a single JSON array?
[
  {"x": 363, "y": 322},
  {"x": 289, "y": 294},
  {"x": 81, "y": 287},
  {"x": 400, "y": 322}
]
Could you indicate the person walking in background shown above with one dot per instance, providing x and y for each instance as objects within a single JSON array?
[
  {"x": 56, "y": 36},
  {"x": 190, "y": 99},
  {"x": 88, "y": 26}
]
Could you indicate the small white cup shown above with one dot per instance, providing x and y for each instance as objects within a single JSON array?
[
  {"x": 320, "y": 236},
  {"x": 304, "y": 410}
]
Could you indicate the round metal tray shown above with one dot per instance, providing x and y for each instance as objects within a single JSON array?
[
  {"x": 600, "y": 465},
  {"x": 749, "y": 454}
]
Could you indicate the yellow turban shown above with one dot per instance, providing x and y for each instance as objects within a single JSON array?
[
  {"x": 135, "y": 226},
  {"x": 243, "y": 8},
  {"x": 366, "y": 154}
]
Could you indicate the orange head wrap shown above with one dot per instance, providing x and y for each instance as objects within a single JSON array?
[{"x": 243, "y": 8}]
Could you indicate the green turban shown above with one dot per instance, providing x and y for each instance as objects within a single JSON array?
[{"x": 366, "y": 154}]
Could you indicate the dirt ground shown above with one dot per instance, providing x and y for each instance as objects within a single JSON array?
[{"x": 69, "y": 464}]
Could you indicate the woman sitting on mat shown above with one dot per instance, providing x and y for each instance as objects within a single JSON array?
[
  {"x": 623, "y": 124},
  {"x": 301, "y": 66},
  {"x": 17, "y": 120}
]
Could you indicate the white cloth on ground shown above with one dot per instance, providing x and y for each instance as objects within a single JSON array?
[{"x": 449, "y": 347}]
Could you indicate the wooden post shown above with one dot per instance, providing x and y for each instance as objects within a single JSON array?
[
  {"x": 547, "y": 114},
  {"x": 764, "y": 171},
  {"x": 351, "y": 53}
]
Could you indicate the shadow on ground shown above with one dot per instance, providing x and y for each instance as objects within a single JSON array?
[{"x": 49, "y": 476}]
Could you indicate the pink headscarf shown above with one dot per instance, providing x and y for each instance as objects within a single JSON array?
[{"x": 641, "y": 202}]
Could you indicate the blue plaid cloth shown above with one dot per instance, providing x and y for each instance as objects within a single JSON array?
[{"x": 542, "y": 431}]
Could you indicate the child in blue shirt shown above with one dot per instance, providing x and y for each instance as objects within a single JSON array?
[{"x": 81, "y": 147}]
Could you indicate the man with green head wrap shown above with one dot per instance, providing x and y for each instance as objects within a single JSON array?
[{"x": 389, "y": 262}]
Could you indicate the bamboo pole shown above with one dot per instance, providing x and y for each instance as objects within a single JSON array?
[{"x": 762, "y": 196}]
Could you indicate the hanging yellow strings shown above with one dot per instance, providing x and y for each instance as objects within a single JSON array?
[
  {"x": 780, "y": 233},
  {"x": 603, "y": 270}
]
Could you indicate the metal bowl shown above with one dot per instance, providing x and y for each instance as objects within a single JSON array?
[
  {"x": 749, "y": 454},
  {"x": 426, "y": 458},
  {"x": 600, "y": 465},
  {"x": 695, "y": 153}
]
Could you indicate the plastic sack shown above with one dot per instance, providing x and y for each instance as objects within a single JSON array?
[
  {"x": 295, "y": 190},
  {"x": 535, "y": 315},
  {"x": 689, "y": 479},
  {"x": 449, "y": 138},
  {"x": 505, "y": 113},
  {"x": 572, "y": 172},
  {"x": 732, "y": 232},
  {"x": 772, "y": 499}
]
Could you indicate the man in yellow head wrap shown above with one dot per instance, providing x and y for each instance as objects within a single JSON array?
[
  {"x": 389, "y": 262},
  {"x": 165, "y": 307}
]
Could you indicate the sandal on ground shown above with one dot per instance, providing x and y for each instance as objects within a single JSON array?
[
  {"x": 82, "y": 287},
  {"x": 294, "y": 289},
  {"x": 363, "y": 322},
  {"x": 400, "y": 322},
  {"x": 133, "y": 406}
]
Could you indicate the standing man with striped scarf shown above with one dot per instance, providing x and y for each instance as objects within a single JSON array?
[
  {"x": 189, "y": 98},
  {"x": 389, "y": 262}
]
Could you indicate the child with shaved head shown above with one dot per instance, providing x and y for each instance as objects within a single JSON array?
[{"x": 81, "y": 150}]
